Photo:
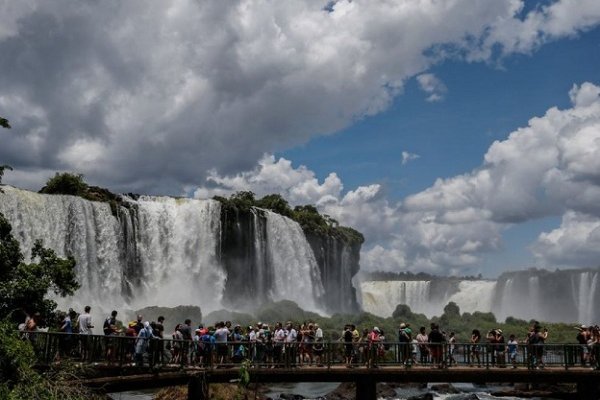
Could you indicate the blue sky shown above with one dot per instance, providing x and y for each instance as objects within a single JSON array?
[
  {"x": 484, "y": 102},
  {"x": 457, "y": 142}
]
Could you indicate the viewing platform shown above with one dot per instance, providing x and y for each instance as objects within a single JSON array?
[{"x": 112, "y": 368}]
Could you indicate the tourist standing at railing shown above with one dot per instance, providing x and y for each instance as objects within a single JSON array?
[
  {"x": 130, "y": 333},
  {"x": 291, "y": 344},
  {"x": 85, "y": 326},
  {"x": 491, "y": 345},
  {"x": 373, "y": 347},
  {"x": 319, "y": 346},
  {"x": 177, "y": 344},
  {"x": 239, "y": 349},
  {"x": 142, "y": 343},
  {"x": 475, "y": 347},
  {"x": 355, "y": 341},
  {"x": 139, "y": 325},
  {"x": 348, "y": 346},
  {"x": 512, "y": 347},
  {"x": 158, "y": 328},
  {"x": 423, "y": 341},
  {"x": 65, "y": 342},
  {"x": 536, "y": 339},
  {"x": 436, "y": 343},
  {"x": 404, "y": 339},
  {"x": 110, "y": 328},
  {"x": 593, "y": 346},
  {"x": 278, "y": 342},
  {"x": 582, "y": 338},
  {"x": 221, "y": 334},
  {"x": 451, "y": 348}
]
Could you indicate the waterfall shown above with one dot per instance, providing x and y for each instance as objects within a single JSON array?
[
  {"x": 382, "y": 297},
  {"x": 71, "y": 226},
  {"x": 584, "y": 294},
  {"x": 296, "y": 274},
  {"x": 176, "y": 242},
  {"x": 166, "y": 251},
  {"x": 474, "y": 296}
]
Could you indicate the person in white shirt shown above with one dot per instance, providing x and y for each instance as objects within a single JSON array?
[
  {"x": 279, "y": 340},
  {"x": 291, "y": 344},
  {"x": 221, "y": 340},
  {"x": 84, "y": 323}
]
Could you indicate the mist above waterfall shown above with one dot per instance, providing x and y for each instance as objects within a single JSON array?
[{"x": 168, "y": 252}]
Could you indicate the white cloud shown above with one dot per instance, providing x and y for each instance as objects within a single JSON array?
[
  {"x": 549, "y": 168},
  {"x": 174, "y": 90},
  {"x": 297, "y": 185},
  {"x": 406, "y": 157},
  {"x": 433, "y": 86},
  {"x": 575, "y": 243}
]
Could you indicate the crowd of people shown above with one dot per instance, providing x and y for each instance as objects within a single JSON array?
[{"x": 289, "y": 344}]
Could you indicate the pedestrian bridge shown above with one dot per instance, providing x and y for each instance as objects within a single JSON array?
[{"x": 111, "y": 366}]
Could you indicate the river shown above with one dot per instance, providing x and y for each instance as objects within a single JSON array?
[{"x": 311, "y": 390}]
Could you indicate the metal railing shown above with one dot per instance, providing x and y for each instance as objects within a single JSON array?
[{"x": 157, "y": 353}]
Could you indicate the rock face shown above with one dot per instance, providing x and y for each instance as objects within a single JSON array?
[
  {"x": 338, "y": 262},
  {"x": 164, "y": 251},
  {"x": 268, "y": 257}
]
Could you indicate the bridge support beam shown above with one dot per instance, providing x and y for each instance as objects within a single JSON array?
[
  {"x": 366, "y": 389},
  {"x": 198, "y": 388}
]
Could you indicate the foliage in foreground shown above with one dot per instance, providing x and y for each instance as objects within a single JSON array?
[{"x": 23, "y": 289}]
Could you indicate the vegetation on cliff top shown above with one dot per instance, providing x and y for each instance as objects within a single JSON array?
[{"x": 307, "y": 216}]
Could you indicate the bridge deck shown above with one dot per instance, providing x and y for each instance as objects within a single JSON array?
[{"x": 120, "y": 380}]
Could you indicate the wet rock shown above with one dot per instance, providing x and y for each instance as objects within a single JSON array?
[
  {"x": 426, "y": 396},
  {"x": 445, "y": 388}
]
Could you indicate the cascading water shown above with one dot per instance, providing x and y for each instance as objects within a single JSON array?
[
  {"x": 584, "y": 287},
  {"x": 168, "y": 252},
  {"x": 559, "y": 296},
  {"x": 296, "y": 274},
  {"x": 71, "y": 226},
  {"x": 381, "y": 298},
  {"x": 176, "y": 242},
  {"x": 474, "y": 296}
]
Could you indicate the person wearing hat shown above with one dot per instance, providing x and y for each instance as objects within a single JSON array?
[
  {"x": 582, "y": 338},
  {"x": 373, "y": 347}
]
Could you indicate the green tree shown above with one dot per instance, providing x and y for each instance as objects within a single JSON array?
[
  {"x": 403, "y": 313},
  {"x": 276, "y": 203},
  {"x": 2, "y": 169},
  {"x": 24, "y": 287},
  {"x": 4, "y": 123},
  {"x": 66, "y": 183}
]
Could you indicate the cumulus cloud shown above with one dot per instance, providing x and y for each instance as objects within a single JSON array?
[
  {"x": 154, "y": 97},
  {"x": 433, "y": 86},
  {"x": 550, "y": 167},
  {"x": 575, "y": 243}
]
